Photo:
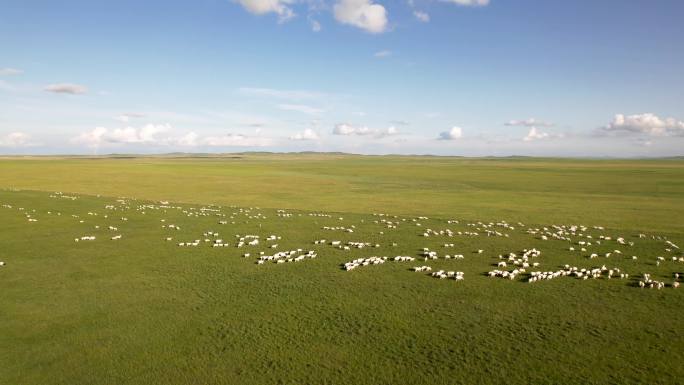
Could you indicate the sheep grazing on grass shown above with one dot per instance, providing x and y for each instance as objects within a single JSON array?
[
  {"x": 427, "y": 254},
  {"x": 194, "y": 243},
  {"x": 441, "y": 274},
  {"x": 647, "y": 282},
  {"x": 419, "y": 269},
  {"x": 363, "y": 262},
  {"x": 287, "y": 256},
  {"x": 583, "y": 274},
  {"x": 356, "y": 245},
  {"x": 506, "y": 274}
]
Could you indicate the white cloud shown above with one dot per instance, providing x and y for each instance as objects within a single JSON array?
[
  {"x": 383, "y": 53},
  {"x": 15, "y": 139},
  {"x": 281, "y": 94},
  {"x": 453, "y": 134},
  {"x": 348, "y": 129},
  {"x": 363, "y": 14},
  {"x": 189, "y": 139},
  {"x": 147, "y": 134},
  {"x": 648, "y": 124},
  {"x": 345, "y": 129},
  {"x": 421, "y": 16},
  {"x": 66, "y": 88},
  {"x": 10, "y": 71},
  {"x": 535, "y": 134},
  {"x": 531, "y": 122},
  {"x": 469, "y": 3},
  {"x": 237, "y": 140},
  {"x": 389, "y": 131},
  {"x": 152, "y": 135},
  {"x": 301, "y": 108},
  {"x": 315, "y": 26},
  {"x": 92, "y": 138},
  {"x": 125, "y": 118},
  {"x": 261, "y": 7},
  {"x": 307, "y": 134}
]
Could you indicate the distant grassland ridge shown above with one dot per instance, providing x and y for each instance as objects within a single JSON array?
[{"x": 640, "y": 194}]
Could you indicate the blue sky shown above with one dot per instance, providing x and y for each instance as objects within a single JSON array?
[{"x": 453, "y": 77}]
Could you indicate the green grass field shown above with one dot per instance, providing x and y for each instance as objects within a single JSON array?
[{"x": 144, "y": 310}]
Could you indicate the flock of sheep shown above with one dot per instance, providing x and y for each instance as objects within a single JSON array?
[{"x": 525, "y": 264}]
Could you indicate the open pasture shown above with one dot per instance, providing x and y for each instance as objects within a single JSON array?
[{"x": 131, "y": 286}]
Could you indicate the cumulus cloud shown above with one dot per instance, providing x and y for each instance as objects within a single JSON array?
[
  {"x": 531, "y": 122},
  {"x": 148, "y": 134},
  {"x": 92, "y": 138},
  {"x": 383, "y": 53},
  {"x": 15, "y": 139},
  {"x": 535, "y": 134},
  {"x": 421, "y": 16},
  {"x": 156, "y": 135},
  {"x": 237, "y": 140},
  {"x": 301, "y": 108},
  {"x": 453, "y": 134},
  {"x": 189, "y": 139},
  {"x": 307, "y": 134},
  {"x": 260, "y": 7},
  {"x": 645, "y": 124},
  {"x": 362, "y": 14},
  {"x": 10, "y": 71},
  {"x": 66, "y": 88},
  {"x": 346, "y": 129},
  {"x": 389, "y": 131},
  {"x": 469, "y": 3}
]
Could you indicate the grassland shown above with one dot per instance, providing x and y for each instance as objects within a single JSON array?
[
  {"x": 142, "y": 310},
  {"x": 634, "y": 193}
]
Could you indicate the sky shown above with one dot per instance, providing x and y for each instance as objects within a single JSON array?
[{"x": 445, "y": 77}]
